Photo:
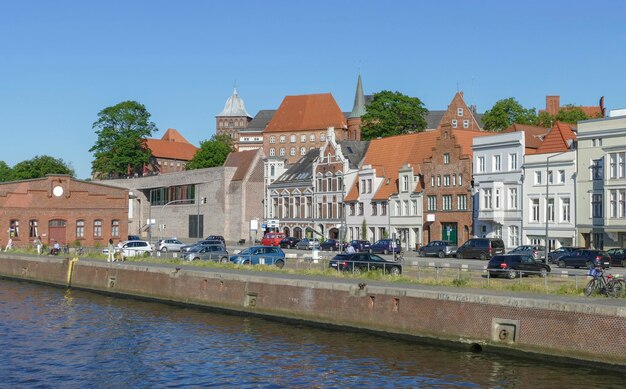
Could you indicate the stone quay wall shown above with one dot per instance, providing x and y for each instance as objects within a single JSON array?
[{"x": 570, "y": 329}]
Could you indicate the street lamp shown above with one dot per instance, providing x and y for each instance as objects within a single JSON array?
[{"x": 548, "y": 199}]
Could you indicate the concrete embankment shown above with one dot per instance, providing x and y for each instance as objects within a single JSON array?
[{"x": 539, "y": 326}]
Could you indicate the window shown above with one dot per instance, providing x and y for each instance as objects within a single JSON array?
[
  {"x": 466, "y": 123},
  {"x": 432, "y": 180},
  {"x": 438, "y": 180},
  {"x": 551, "y": 210},
  {"x": 453, "y": 179},
  {"x": 596, "y": 142},
  {"x": 497, "y": 231},
  {"x": 550, "y": 177},
  {"x": 396, "y": 208},
  {"x": 272, "y": 139},
  {"x": 352, "y": 209},
  {"x": 33, "y": 228},
  {"x": 374, "y": 209},
  {"x": 537, "y": 178},
  {"x": 413, "y": 207},
  {"x": 596, "y": 169},
  {"x": 513, "y": 236},
  {"x": 497, "y": 198},
  {"x": 454, "y": 123},
  {"x": 405, "y": 183},
  {"x": 513, "y": 198},
  {"x": 432, "y": 203},
  {"x": 513, "y": 161},
  {"x": 534, "y": 206},
  {"x": 14, "y": 228},
  {"x": 405, "y": 208},
  {"x": 322, "y": 137},
  {"x": 565, "y": 210},
  {"x": 497, "y": 163},
  {"x": 272, "y": 170},
  {"x": 618, "y": 202},
  {"x": 302, "y": 138},
  {"x": 292, "y": 151},
  {"x": 481, "y": 164},
  {"x": 487, "y": 201},
  {"x": 383, "y": 209},
  {"x": 282, "y": 139},
  {"x": 363, "y": 187},
  {"x": 281, "y": 152},
  {"x": 115, "y": 228},
  {"x": 462, "y": 202},
  {"x": 617, "y": 165},
  {"x": 97, "y": 229},
  {"x": 80, "y": 229},
  {"x": 446, "y": 201},
  {"x": 292, "y": 138},
  {"x": 460, "y": 180},
  {"x": 561, "y": 176},
  {"x": 312, "y": 137},
  {"x": 369, "y": 185},
  {"x": 446, "y": 180},
  {"x": 596, "y": 205},
  {"x": 360, "y": 209},
  {"x": 302, "y": 150},
  {"x": 446, "y": 159},
  {"x": 459, "y": 112}
]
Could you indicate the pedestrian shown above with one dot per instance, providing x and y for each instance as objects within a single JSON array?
[
  {"x": 9, "y": 244},
  {"x": 120, "y": 251},
  {"x": 38, "y": 244},
  {"x": 55, "y": 248},
  {"x": 350, "y": 249},
  {"x": 111, "y": 251}
]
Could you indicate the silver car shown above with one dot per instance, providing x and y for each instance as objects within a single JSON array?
[
  {"x": 212, "y": 252},
  {"x": 171, "y": 244}
]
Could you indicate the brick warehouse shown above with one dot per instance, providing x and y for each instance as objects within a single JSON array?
[{"x": 61, "y": 208}]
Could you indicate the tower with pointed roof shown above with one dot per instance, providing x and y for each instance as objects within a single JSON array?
[
  {"x": 233, "y": 118},
  {"x": 358, "y": 110}
]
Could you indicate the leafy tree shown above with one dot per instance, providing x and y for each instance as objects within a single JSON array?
[
  {"x": 122, "y": 131},
  {"x": 544, "y": 119},
  {"x": 392, "y": 113},
  {"x": 571, "y": 114},
  {"x": 364, "y": 230},
  {"x": 212, "y": 153},
  {"x": 39, "y": 167},
  {"x": 5, "y": 172},
  {"x": 506, "y": 112}
]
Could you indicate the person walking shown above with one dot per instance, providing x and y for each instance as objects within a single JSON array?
[
  {"x": 9, "y": 244},
  {"x": 120, "y": 251},
  {"x": 38, "y": 244},
  {"x": 111, "y": 250}
]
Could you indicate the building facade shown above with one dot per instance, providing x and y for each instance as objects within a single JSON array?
[
  {"x": 170, "y": 153},
  {"x": 233, "y": 118}
]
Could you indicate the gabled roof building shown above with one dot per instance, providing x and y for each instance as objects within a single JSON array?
[{"x": 170, "y": 153}]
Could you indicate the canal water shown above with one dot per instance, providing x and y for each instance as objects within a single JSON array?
[{"x": 51, "y": 337}]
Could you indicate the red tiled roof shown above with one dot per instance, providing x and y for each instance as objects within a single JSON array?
[
  {"x": 242, "y": 160},
  {"x": 558, "y": 139},
  {"x": 533, "y": 135},
  {"x": 307, "y": 112},
  {"x": 465, "y": 138},
  {"x": 172, "y": 146}
]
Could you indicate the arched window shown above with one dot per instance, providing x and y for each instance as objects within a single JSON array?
[
  {"x": 272, "y": 139},
  {"x": 302, "y": 150},
  {"x": 33, "y": 228},
  {"x": 80, "y": 229},
  {"x": 272, "y": 152},
  {"x": 97, "y": 229},
  {"x": 292, "y": 138},
  {"x": 115, "y": 228},
  {"x": 14, "y": 228},
  {"x": 282, "y": 152},
  {"x": 292, "y": 151}
]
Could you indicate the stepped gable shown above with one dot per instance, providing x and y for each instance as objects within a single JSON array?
[
  {"x": 307, "y": 112},
  {"x": 558, "y": 139},
  {"x": 452, "y": 113},
  {"x": 172, "y": 146},
  {"x": 533, "y": 135}
]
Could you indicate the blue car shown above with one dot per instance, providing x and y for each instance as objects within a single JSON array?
[
  {"x": 386, "y": 246},
  {"x": 260, "y": 255}
]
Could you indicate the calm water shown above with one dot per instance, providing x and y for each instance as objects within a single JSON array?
[{"x": 56, "y": 338}]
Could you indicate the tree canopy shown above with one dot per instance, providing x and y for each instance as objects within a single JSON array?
[
  {"x": 36, "y": 167},
  {"x": 212, "y": 153},
  {"x": 392, "y": 113},
  {"x": 506, "y": 112},
  {"x": 122, "y": 131},
  {"x": 571, "y": 114}
]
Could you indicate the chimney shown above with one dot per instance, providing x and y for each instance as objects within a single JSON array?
[{"x": 553, "y": 104}]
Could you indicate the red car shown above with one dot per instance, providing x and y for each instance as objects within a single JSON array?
[{"x": 272, "y": 239}]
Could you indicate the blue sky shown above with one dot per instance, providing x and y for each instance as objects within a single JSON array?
[{"x": 61, "y": 62}]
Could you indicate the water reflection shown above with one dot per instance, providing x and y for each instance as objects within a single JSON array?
[{"x": 63, "y": 338}]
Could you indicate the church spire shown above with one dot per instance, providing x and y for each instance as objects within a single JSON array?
[{"x": 358, "y": 109}]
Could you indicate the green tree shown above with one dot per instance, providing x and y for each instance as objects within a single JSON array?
[
  {"x": 571, "y": 114},
  {"x": 506, "y": 112},
  {"x": 212, "y": 153},
  {"x": 392, "y": 113},
  {"x": 364, "y": 230},
  {"x": 544, "y": 119},
  {"x": 122, "y": 131},
  {"x": 5, "y": 172},
  {"x": 39, "y": 167}
]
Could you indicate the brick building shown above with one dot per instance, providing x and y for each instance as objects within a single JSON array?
[
  {"x": 233, "y": 118},
  {"x": 170, "y": 153},
  {"x": 61, "y": 208}
]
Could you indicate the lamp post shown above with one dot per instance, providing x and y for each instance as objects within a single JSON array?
[{"x": 547, "y": 249}]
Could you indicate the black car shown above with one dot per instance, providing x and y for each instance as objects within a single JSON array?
[
  {"x": 482, "y": 248},
  {"x": 360, "y": 245},
  {"x": 438, "y": 248},
  {"x": 386, "y": 246},
  {"x": 513, "y": 265},
  {"x": 330, "y": 245},
  {"x": 586, "y": 258},
  {"x": 361, "y": 262},
  {"x": 618, "y": 257},
  {"x": 217, "y": 237},
  {"x": 288, "y": 242},
  {"x": 553, "y": 256}
]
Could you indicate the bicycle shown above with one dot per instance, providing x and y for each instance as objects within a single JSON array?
[{"x": 607, "y": 285}]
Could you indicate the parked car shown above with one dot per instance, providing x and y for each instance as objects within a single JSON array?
[
  {"x": 361, "y": 245},
  {"x": 586, "y": 258},
  {"x": 361, "y": 262},
  {"x": 288, "y": 242},
  {"x": 171, "y": 244},
  {"x": 439, "y": 248},
  {"x": 260, "y": 255},
  {"x": 513, "y": 265},
  {"x": 212, "y": 252},
  {"x": 618, "y": 257},
  {"x": 386, "y": 246},
  {"x": 481, "y": 248},
  {"x": 187, "y": 247},
  {"x": 536, "y": 251},
  {"x": 553, "y": 256},
  {"x": 330, "y": 245},
  {"x": 134, "y": 237},
  {"x": 217, "y": 237},
  {"x": 134, "y": 248},
  {"x": 272, "y": 239},
  {"x": 308, "y": 244}
]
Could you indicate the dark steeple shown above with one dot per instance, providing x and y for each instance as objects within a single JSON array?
[{"x": 358, "y": 109}]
